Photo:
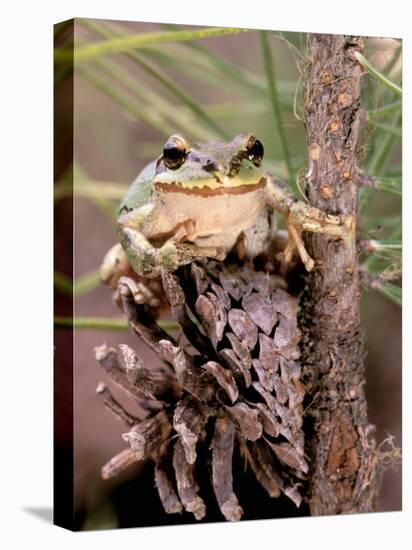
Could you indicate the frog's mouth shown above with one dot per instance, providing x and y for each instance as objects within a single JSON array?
[{"x": 210, "y": 188}]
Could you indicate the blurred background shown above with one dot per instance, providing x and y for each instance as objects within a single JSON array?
[{"x": 127, "y": 100}]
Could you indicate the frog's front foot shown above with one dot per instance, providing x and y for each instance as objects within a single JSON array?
[
  {"x": 143, "y": 292},
  {"x": 303, "y": 217},
  {"x": 308, "y": 218}
]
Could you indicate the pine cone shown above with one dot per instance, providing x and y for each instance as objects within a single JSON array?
[{"x": 233, "y": 379}]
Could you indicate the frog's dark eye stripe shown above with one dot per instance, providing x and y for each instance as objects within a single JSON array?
[
  {"x": 255, "y": 151},
  {"x": 174, "y": 153}
]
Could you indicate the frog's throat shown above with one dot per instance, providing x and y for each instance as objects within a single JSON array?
[{"x": 205, "y": 191}]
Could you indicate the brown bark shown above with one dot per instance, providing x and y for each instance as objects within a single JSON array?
[{"x": 343, "y": 477}]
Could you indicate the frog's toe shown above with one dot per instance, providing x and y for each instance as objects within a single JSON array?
[
  {"x": 145, "y": 295},
  {"x": 142, "y": 291}
]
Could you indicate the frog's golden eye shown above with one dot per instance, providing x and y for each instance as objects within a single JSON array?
[
  {"x": 255, "y": 151},
  {"x": 174, "y": 153}
]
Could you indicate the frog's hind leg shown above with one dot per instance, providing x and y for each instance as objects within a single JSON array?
[{"x": 295, "y": 243}]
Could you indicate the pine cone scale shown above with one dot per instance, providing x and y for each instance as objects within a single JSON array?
[{"x": 236, "y": 381}]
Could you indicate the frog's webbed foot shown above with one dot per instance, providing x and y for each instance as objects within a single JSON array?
[
  {"x": 151, "y": 262},
  {"x": 300, "y": 217},
  {"x": 303, "y": 217}
]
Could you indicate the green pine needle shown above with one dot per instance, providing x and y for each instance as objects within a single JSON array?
[
  {"x": 276, "y": 110},
  {"x": 179, "y": 93},
  {"x": 377, "y": 74},
  {"x": 384, "y": 110},
  {"x": 385, "y": 245},
  {"x": 389, "y": 185},
  {"x": 392, "y": 292},
  {"x": 86, "y": 283},
  {"x": 136, "y": 41},
  {"x": 63, "y": 283},
  {"x": 105, "y": 323}
]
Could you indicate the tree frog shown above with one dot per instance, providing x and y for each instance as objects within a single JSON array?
[{"x": 198, "y": 199}]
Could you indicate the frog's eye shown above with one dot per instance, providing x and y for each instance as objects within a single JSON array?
[
  {"x": 255, "y": 151},
  {"x": 174, "y": 153}
]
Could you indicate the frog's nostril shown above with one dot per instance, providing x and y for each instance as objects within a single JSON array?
[{"x": 211, "y": 166}]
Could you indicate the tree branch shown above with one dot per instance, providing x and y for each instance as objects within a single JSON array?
[{"x": 343, "y": 456}]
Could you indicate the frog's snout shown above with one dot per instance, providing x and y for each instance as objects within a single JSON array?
[
  {"x": 215, "y": 166},
  {"x": 222, "y": 170}
]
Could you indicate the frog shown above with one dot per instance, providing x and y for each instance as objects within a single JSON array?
[{"x": 196, "y": 201}]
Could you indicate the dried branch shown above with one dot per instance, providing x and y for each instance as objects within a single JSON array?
[{"x": 332, "y": 346}]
